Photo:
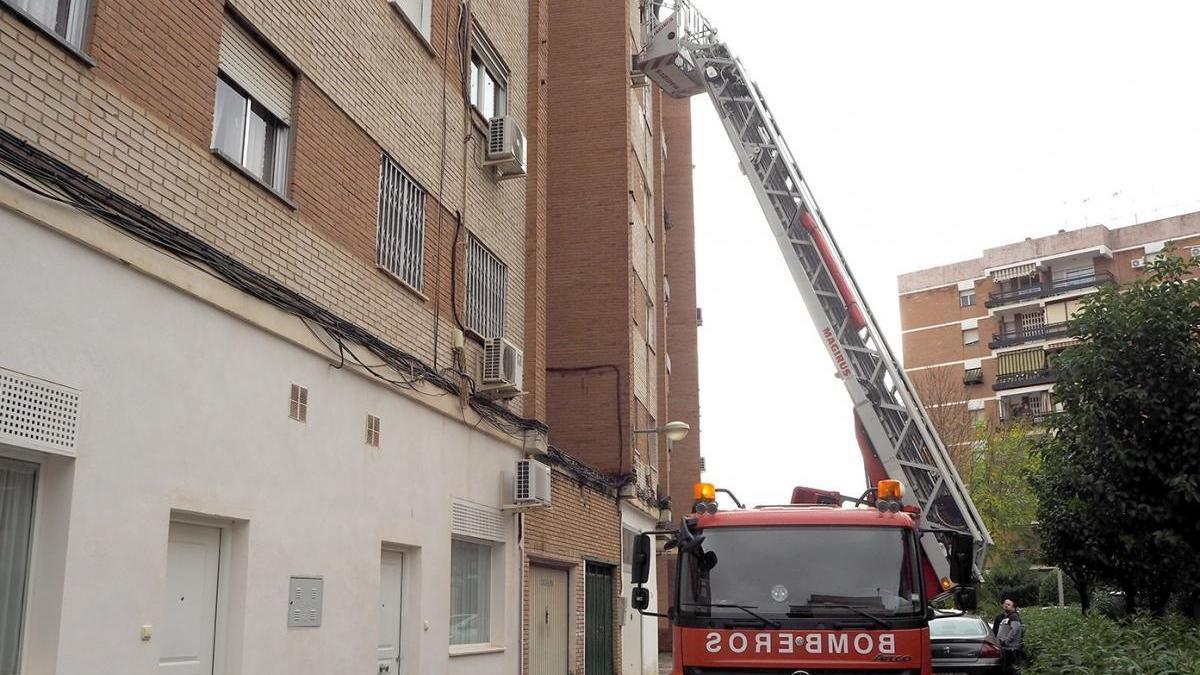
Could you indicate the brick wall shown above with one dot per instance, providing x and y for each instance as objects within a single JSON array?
[
  {"x": 683, "y": 395},
  {"x": 140, "y": 122},
  {"x": 584, "y": 524},
  {"x": 588, "y": 235}
]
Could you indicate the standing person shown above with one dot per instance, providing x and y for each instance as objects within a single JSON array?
[{"x": 1010, "y": 631}]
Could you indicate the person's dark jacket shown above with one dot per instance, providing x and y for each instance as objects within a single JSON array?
[{"x": 1010, "y": 631}]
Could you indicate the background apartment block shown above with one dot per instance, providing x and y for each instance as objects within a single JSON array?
[
  {"x": 980, "y": 336},
  {"x": 239, "y": 240}
]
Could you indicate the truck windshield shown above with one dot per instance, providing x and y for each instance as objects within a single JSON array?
[{"x": 799, "y": 572}]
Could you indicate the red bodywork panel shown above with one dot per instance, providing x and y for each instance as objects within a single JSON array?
[
  {"x": 841, "y": 649},
  {"x": 807, "y": 515}
]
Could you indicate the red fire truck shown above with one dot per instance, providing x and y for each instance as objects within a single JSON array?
[{"x": 826, "y": 584}]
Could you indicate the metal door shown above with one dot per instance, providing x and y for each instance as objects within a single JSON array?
[
  {"x": 548, "y": 653},
  {"x": 391, "y": 577},
  {"x": 598, "y": 623},
  {"x": 190, "y": 606}
]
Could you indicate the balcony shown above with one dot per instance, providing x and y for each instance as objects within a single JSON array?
[
  {"x": 1012, "y": 338},
  {"x": 1047, "y": 290},
  {"x": 1034, "y": 408},
  {"x": 1024, "y": 378}
]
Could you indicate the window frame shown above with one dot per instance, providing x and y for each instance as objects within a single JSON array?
[
  {"x": 422, "y": 27},
  {"x": 485, "y": 60},
  {"x": 278, "y": 143},
  {"x": 967, "y": 342},
  {"x": 77, "y": 28},
  {"x": 415, "y": 233},
  {"x": 30, "y": 567},
  {"x": 493, "y": 548},
  {"x": 474, "y": 318},
  {"x": 966, "y": 298}
]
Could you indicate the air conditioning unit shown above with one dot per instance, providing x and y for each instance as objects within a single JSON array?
[
  {"x": 503, "y": 366},
  {"x": 1195, "y": 251},
  {"x": 638, "y": 80},
  {"x": 1137, "y": 263},
  {"x": 531, "y": 483},
  {"x": 506, "y": 147}
]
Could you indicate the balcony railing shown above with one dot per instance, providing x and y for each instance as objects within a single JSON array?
[
  {"x": 1024, "y": 378},
  {"x": 1047, "y": 290},
  {"x": 1049, "y": 331}
]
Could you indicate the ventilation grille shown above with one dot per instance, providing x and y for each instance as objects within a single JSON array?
[
  {"x": 468, "y": 519},
  {"x": 37, "y": 414},
  {"x": 496, "y": 135}
]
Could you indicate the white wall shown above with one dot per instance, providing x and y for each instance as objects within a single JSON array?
[
  {"x": 647, "y": 660},
  {"x": 185, "y": 408}
]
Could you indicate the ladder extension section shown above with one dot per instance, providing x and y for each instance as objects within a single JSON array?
[{"x": 683, "y": 55}]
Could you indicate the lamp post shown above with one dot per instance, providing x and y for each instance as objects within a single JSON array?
[{"x": 674, "y": 431}]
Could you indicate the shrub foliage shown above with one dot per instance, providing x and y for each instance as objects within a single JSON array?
[{"x": 1066, "y": 642}]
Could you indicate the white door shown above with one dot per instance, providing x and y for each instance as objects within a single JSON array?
[
  {"x": 391, "y": 577},
  {"x": 189, "y": 618},
  {"x": 631, "y": 627},
  {"x": 548, "y": 653}
]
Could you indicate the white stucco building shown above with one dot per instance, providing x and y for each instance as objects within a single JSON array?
[{"x": 188, "y": 496}]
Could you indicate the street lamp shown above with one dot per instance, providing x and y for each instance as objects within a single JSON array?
[{"x": 674, "y": 431}]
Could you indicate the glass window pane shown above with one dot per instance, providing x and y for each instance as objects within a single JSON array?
[
  {"x": 475, "y": 81},
  {"x": 487, "y": 94},
  {"x": 470, "y": 592},
  {"x": 16, "y": 519},
  {"x": 44, "y": 12},
  {"x": 229, "y": 121},
  {"x": 255, "y": 156},
  {"x": 279, "y": 165}
]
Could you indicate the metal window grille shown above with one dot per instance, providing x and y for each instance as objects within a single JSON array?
[
  {"x": 400, "y": 245},
  {"x": 487, "y": 290}
]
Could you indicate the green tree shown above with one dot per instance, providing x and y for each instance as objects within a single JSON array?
[
  {"x": 1119, "y": 479},
  {"x": 996, "y": 475}
]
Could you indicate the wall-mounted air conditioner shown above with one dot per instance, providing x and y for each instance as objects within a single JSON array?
[
  {"x": 1137, "y": 263},
  {"x": 503, "y": 368},
  {"x": 505, "y": 148},
  {"x": 1195, "y": 251},
  {"x": 531, "y": 483}
]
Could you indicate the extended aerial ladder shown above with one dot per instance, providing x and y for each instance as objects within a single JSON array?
[{"x": 683, "y": 55}]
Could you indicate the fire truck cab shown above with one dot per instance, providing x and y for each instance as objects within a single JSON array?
[{"x": 819, "y": 587}]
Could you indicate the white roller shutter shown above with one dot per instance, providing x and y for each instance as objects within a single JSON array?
[{"x": 254, "y": 69}]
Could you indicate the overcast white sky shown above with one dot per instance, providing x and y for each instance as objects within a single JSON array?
[{"x": 928, "y": 131}]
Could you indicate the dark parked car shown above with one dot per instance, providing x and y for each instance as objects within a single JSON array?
[{"x": 964, "y": 645}]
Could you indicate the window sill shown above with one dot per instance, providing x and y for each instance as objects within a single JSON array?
[
  {"x": 424, "y": 41},
  {"x": 473, "y": 650},
  {"x": 57, "y": 39},
  {"x": 482, "y": 124},
  {"x": 402, "y": 283},
  {"x": 253, "y": 179}
]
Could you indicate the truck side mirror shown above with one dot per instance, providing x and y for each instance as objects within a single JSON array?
[
  {"x": 640, "y": 598},
  {"x": 966, "y": 598},
  {"x": 962, "y": 559},
  {"x": 642, "y": 548}
]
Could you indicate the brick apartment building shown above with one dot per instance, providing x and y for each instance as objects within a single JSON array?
[
  {"x": 980, "y": 335},
  {"x": 621, "y": 333},
  {"x": 253, "y": 257}
]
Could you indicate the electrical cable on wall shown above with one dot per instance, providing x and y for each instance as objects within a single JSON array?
[{"x": 48, "y": 177}]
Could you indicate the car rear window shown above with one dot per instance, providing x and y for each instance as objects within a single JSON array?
[{"x": 958, "y": 627}]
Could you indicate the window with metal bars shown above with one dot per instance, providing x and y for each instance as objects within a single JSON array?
[
  {"x": 487, "y": 290},
  {"x": 400, "y": 242}
]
